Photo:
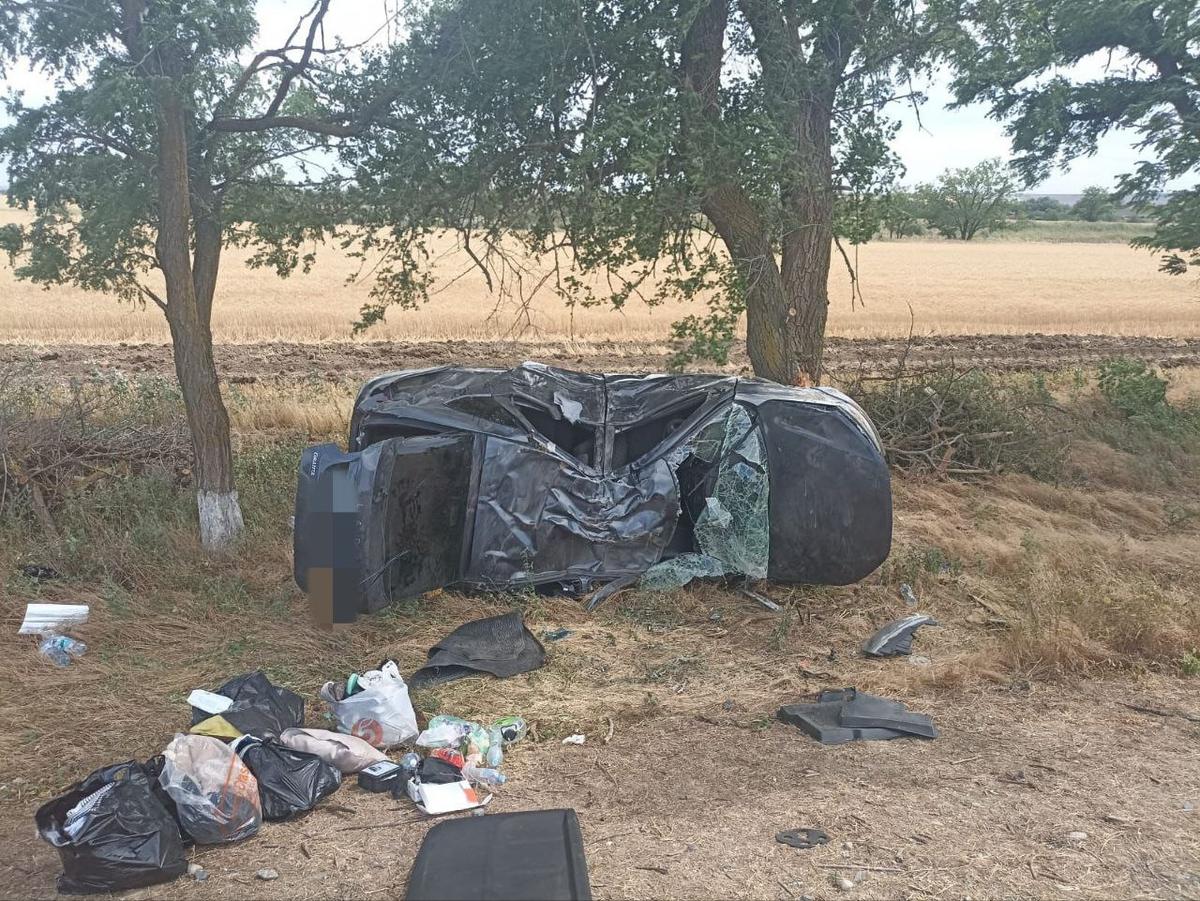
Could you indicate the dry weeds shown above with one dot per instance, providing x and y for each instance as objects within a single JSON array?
[{"x": 1057, "y": 604}]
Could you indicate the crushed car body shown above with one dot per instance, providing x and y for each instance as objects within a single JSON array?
[{"x": 537, "y": 476}]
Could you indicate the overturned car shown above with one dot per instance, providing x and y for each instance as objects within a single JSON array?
[{"x": 536, "y": 476}]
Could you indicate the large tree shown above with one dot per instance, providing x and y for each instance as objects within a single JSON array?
[
  {"x": 1064, "y": 73},
  {"x": 970, "y": 200},
  {"x": 164, "y": 141},
  {"x": 679, "y": 149}
]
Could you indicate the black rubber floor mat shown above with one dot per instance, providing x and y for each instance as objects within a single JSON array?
[
  {"x": 499, "y": 645},
  {"x": 866, "y": 711},
  {"x": 535, "y": 854},
  {"x": 820, "y": 721}
]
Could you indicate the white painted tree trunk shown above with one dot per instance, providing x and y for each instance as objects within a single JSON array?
[{"x": 220, "y": 519}]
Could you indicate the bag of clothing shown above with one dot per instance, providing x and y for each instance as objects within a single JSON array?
[
  {"x": 289, "y": 781},
  {"x": 379, "y": 712},
  {"x": 215, "y": 794},
  {"x": 112, "y": 833},
  {"x": 345, "y": 752}
]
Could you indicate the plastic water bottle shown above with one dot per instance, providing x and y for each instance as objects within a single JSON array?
[
  {"x": 484, "y": 774},
  {"x": 61, "y": 650}
]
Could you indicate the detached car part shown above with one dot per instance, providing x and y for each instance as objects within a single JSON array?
[
  {"x": 542, "y": 477},
  {"x": 895, "y": 639}
]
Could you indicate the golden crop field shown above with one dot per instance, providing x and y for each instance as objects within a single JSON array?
[{"x": 997, "y": 286}]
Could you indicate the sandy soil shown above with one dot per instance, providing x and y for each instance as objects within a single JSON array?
[{"x": 338, "y": 361}]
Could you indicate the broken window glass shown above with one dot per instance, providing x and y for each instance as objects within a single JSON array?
[{"x": 731, "y": 531}]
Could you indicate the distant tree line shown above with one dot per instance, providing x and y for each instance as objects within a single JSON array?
[{"x": 965, "y": 203}]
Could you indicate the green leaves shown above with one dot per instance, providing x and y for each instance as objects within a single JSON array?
[
  {"x": 1022, "y": 56},
  {"x": 968, "y": 201}
]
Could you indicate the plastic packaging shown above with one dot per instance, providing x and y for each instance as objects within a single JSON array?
[
  {"x": 484, "y": 775},
  {"x": 112, "y": 833},
  {"x": 60, "y": 649},
  {"x": 216, "y": 795},
  {"x": 345, "y": 752},
  {"x": 380, "y": 713},
  {"x": 452, "y": 757},
  {"x": 444, "y": 734},
  {"x": 410, "y": 763}
]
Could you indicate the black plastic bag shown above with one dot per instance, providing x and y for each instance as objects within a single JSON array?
[
  {"x": 289, "y": 782},
  {"x": 259, "y": 708},
  {"x": 128, "y": 839}
]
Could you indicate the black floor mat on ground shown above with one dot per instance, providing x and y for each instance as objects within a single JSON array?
[
  {"x": 844, "y": 714},
  {"x": 865, "y": 711},
  {"x": 535, "y": 854},
  {"x": 498, "y": 645}
]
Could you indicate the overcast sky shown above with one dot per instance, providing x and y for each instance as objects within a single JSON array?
[{"x": 946, "y": 138}]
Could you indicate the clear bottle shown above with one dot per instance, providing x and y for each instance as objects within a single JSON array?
[
  {"x": 61, "y": 649},
  {"x": 485, "y": 775}
]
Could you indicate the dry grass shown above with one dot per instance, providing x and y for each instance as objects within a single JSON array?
[
  {"x": 1095, "y": 579},
  {"x": 1000, "y": 287}
]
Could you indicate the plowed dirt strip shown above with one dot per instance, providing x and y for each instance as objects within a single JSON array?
[{"x": 338, "y": 361}]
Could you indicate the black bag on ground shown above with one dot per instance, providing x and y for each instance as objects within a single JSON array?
[
  {"x": 121, "y": 838},
  {"x": 289, "y": 782},
  {"x": 259, "y": 707}
]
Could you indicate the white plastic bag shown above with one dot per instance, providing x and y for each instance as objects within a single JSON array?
[
  {"x": 215, "y": 793},
  {"x": 381, "y": 714}
]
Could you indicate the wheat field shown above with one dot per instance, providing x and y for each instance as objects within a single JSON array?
[{"x": 997, "y": 286}]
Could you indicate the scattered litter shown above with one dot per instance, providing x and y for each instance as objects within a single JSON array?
[
  {"x": 209, "y": 701},
  {"x": 842, "y": 883},
  {"x": 803, "y": 838},
  {"x": 266, "y": 874},
  {"x": 500, "y": 646},
  {"x": 438, "y": 787},
  {"x": 842, "y": 715},
  {"x": 895, "y": 638},
  {"x": 556, "y": 634},
  {"x": 534, "y": 854},
  {"x": 1077, "y": 836},
  {"x": 908, "y": 595},
  {"x": 42, "y": 619},
  {"x": 920, "y": 660},
  {"x": 289, "y": 781},
  {"x": 197, "y": 872},
  {"x": 121, "y": 836},
  {"x": 379, "y": 777},
  {"x": 215, "y": 794},
  {"x": 374, "y": 706},
  {"x": 346, "y": 752},
  {"x": 575, "y": 739},
  {"x": 61, "y": 650},
  {"x": 39, "y": 572},
  {"x": 258, "y": 708}
]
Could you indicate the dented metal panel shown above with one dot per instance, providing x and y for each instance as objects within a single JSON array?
[{"x": 537, "y": 476}]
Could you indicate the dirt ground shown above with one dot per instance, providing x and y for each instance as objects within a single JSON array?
[
  {"x": 685, "y": 777},
  {"x": 339, "y": 361},
  {"x": 688, "y": 807}
]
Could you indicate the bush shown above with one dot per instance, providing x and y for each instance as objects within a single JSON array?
[
  {"x": 967, "y": 423},
  {"x": 1133, "y": 388}
]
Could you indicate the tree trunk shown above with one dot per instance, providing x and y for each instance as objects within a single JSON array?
[
  {"x": 216, "y": 498},
  {"x": 749, "y": 245}
]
